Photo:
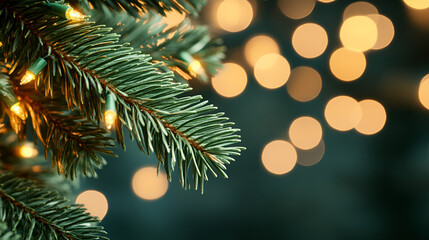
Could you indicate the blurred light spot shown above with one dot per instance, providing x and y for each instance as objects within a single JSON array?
[
  {"x": 296, "y": 9},
  {"x": 360, "y": 8},
  {"x": 28, "y": 150},
  {"x": 424, "y": 91},
  {"x": 304, "y": 84},
  {"x": 149, "y": 185},
  {"x": 373, "y": 117},
  {"x": 326, "y": 1},
  {"x": 358, "y": 33},
  {"x": 343, "y": 113},
  {"x": 347, "y": 65},
  {"x": 272, "y": 71},
  {"x": 305, "y": 133},
  {"x": 279, "y": 157},
  {"x": 259, "y": 46},
  {"x": 310, "y": 40},
  {"x": 234, "y": 15},
  {"x": 95, "y": 203},
  {"x": 311, "y": 157},
  {"x": 385, "y": 31},
  {"x": 173, "y": 18},
  {"x": 417, "y": 4},
  {"x": 419, "y": 17},
  {"x": 230, "y": 81}
]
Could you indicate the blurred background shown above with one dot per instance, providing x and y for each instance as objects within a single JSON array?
[{"x": 332, "y": 97}]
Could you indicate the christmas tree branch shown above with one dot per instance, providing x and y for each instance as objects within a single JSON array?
[{"x": 38, "y": 213}]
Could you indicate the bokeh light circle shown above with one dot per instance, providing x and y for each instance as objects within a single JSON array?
[
  {"x": 304, "y": 84},
  {"x": 385, "y": 31},
  {"x": 347, "y": 65},
  {"x": 272, "y": 71},
  {"x": 296, "y": 9},
  {"x": 373, "y": 117},
  {"x": 279, "y": 157},
  {"x": 305, "y": 132},
  {"x": 312, "y": 156},
  {"x": 343, "y": 113},
  {"x": 234, "y": 15},
  {"x": 424, "y": 91},
  {"x": 259, "y": 46},
  {"x": 95, "y": 203},
  {"x": 325, "y": 1},
  {"x": 149, "y": 185},
  {"x": 310, "y": 40},
  {"x": 358, "y": 33},
  {"x": 359, "y": 8},
  {"x": 417, "y": 4},
  {"x": 230, "y": 81}
]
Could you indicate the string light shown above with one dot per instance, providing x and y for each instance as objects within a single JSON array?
[
  {"x": 110, "y": 113},
  {"x": 33, "y": 71},
  {"x": 65, "y": 11},
  {"x": 195, "y": 68},
  {"x": 17, "y": 109}
]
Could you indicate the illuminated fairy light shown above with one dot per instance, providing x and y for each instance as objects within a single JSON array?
[
  {"x": 195, "y": 68},
  {"x": 259, "y": 46},
  {"x": 373, "y": 117},
  {"x": 359, "y": 8},
  {"x": 423, "y": 92},
  {"x": 310, "y": 40},
  {"x": 296, "y": 9},
  {"x": 234, "y": 15},
  {"x": 304, "y": 84},
  {"x": 148, "y": 184},
  {"x": 95, "y": 203},
  {"x": 17, "y": 109},
  {"x": 279, "y": 157},
  {"x": 359, "y": 33},
  {"x": 65, "y": 11},
  {"x": 347, "y": 65},
  {"x": 28, "y": 151},
  {"x": 33, "y": 71},
  {"x": 417, "y": 4},
  {"x": 343, "y": 113},
  {"x": 28, "y": 77},
  {"x": 305, "y": 132},
  {"x": 110, "y": 112},
  {"x": 74, "y": 15},
  {"x": 230, "y": 81}
]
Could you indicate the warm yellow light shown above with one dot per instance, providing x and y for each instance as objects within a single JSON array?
[
  {"x": 28, "y": 77},
  {"x": 417, "y": 4},
  {"x": 234, "y": 15},
  {"x": 373, "y": 117},
  {"x": 424, "y": 91},
  {"x": 347, "y": 65},
  {"x": 230, "y": 81},
  {"x": 313, "y": 156},
  {"x": 385, "y": 30},
  {"x": 73, "y": 14},
  {"x": 358, "y": 33},
  {"x": 326, "y": 1},
  {"x": 110, "y": 118},
  {"x": 279, "y": 157},
  {"x": 310, "y": 40},
  {"x": 296, "y": 9},
  {"x": 195, "y": 68},
  {"x": 17, "y": 109},
  {"x": 149, "y": 185},
  {"x": 173, "y": 18},
  {"x": 259, "y": 46},
  {"x": 304, "y": 84},
  {"x": 343, "y": 113},
  {"x": 305, "y": 132},
  {"x": 28, "y": 151},
  {"x": 95, "y": 203},
  {"x": 272, "y": 71},
  {"x": 359, "y": 8}
]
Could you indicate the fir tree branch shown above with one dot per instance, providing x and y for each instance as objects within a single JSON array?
[
  {"x": 177, "y": 129},
  {"x": 38, "y": 213}
]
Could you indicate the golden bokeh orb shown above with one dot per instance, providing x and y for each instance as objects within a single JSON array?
[
  {"x": 234, "y": 15},
  {"x": 305, "y": 132},
  {"x": 95, "y": 203},
  {"x": 304, "y": 84},
  {"x": 312, "y": 156},
  {"x": 358, "y": 33},
  {"x": 272, "y": 71},
  {"x": 343, "y": 113},
  {"x": 259, "y": 46},
  {"x": 424, "y": 91},
  {"x": 148, "y": 184},
  {"x": 310, "y": 40},
  {"x": 417, "y": 4},
  {"x": 360, "y": 8},
  {"x": 296, "y": 9},
  {"x": 28, "y": 150},
  {"x": 385, "y": 31},
  {"x": 347, "y": 65},
  {"x": 279, "y": 157},
  {"x": 325, "y": 1},
  {"x": 373, "y": 117},
  {"x": 230, "y": 81}
]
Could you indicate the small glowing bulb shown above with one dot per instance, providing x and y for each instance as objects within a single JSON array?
[
  {"x": 195, "y": 67},
  {"x": 73, "y": 14},
  {"x": 28, "y": 77},
  {"x": 17, "y": 109},
  {"x": 28, "y": 151},
  {"x": 110, "y": 117}
]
